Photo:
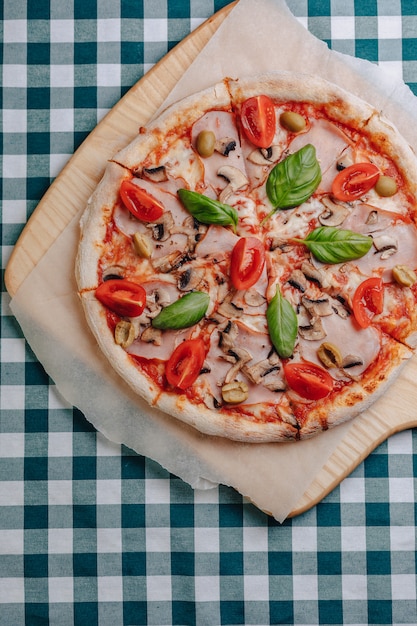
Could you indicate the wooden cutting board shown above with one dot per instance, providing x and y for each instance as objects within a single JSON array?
[{"x": 72, "y": 188}]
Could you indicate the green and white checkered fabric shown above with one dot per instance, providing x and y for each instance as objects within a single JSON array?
[{"x": 91, "y": 533}]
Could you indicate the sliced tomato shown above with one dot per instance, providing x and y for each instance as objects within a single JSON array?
[
  {"x": 309, "y": 380},
  {"x": 258, "y": 120},
  {"x": 140, "y": 203},
  {"x": 368, "y": 300},
  {"x": 123, "y": 297},
  {"x": 185, "y": 363},
  {"x": 354, "y": 181},
  {"x": 247, "y": 262}
]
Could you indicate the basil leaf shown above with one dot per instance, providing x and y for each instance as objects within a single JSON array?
[
  {"x": 336, "y": 245},
  {"x": 282, "y": 324},
  {"x": 185, "y": 312},
  {"x": 208, "y": 211},
  {"x": 293, "y": 180}
]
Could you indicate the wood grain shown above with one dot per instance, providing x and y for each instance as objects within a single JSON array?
[{"x": 72, "y": 188}]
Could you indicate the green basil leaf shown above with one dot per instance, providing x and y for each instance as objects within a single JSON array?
[
  {"x": 185, "y": 312},
  {"x": 336, "y": 245},
  {"x": 282, "y": 324},
  {"x": 293, "y": 180},
  {"x": 208, "y": 211}
]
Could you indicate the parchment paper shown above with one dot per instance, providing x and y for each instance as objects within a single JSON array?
[{"x": 253, "y": 38}]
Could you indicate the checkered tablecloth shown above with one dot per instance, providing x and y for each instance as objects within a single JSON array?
[{"x": 91, "y": 533}]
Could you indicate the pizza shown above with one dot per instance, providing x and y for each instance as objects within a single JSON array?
[{"x": 248, "y": 263}]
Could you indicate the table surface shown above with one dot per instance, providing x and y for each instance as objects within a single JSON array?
[{"x": 91, "y": 532}]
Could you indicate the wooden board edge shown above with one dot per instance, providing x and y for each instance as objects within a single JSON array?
[{"x": 143, "y": 99}]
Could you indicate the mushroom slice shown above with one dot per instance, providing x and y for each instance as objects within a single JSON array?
[
  {"x": 228, "y": 336},
  {"x": 169, "y": 262},
  {"x": 230, "y": 310},
  {"x": 312, "y": 273},
  {"x": 236, "y": 180},
  {"x": 265, "y": 156},
  {"x": 155, "y": 174},
  {"x": 190, "y": 278},
  {"x": 351, "y": 361},
  {"x": 114, "y": 271},
  {"x": 152, "y": 335},
  {"x": 386, "y": 245},
  {"x": 161, "y": 229},
  {"x": 339, "y": 308},
  {"x": 334, "y": 214},
  {"x": 239, "y": 357},
  {"x": 254, "y": 298},
  {"x": 372, "y": 218},
  {"x": 225, "y": 145},
  {"x": 314, "y": 331},
  {"x": 298, "y": 280},
  {"x": 318, "y": 308}
]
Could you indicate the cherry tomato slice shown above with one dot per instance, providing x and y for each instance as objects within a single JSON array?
[
  {"x": 140, "y": 203},
  {"x": 258, "y": 120},
  {"x": 185, "y": 363},
  {"x": 123, "y": 297},
  {"x": 309, "y": 380},
  {"x": 246, "y": 262},
  {"x": 354, "y": 181},
  {"x": 368, "y": 300}
]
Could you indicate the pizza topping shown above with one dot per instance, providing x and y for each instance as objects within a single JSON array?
[
  {"x": 258, "y": 120},
  {"x": 368, "y": 300},
  {"x": 293, "y": 180},
  {"x": 143, "y": 245},
  {"x": 124, "y": 333},
  {"x": 247, "y": 262},
  {"x": 239, "y": 357},
  {"x": 123, "y": 297},
  {"x": 190, "y": 277},
  {"x": 334, "y": 214},
  {"x": 207, "y": 210},
  {"x": 139, "y": 202},
  {"x": 308, "y": 380},
  {"x": 235, "y": 392},
  {"x": 385, "y": 244},
  {"x": 265, "y": 156},
  {"x": 329, "y": 355},
  {"x": 350, "y": 361},
  {"x": 170, "y": 262},
  {"x": 236, "y": 181},
  {"x": 404, "y": 275},
  {"x": 205, "y": 143},
  {"x": 355, "y": 181},
  {"x": 155, "y": 174},
  {"x": 313, "y": 331},
  {"x": 386, "y": 186},
  {"x": 225, "y": 145},
  {"x": 292, "y": 121},
  {"x": 152, "y": 335},
  {"x": 185, "y": 363},
  {"x": 333, "y": 245},
  {"x": 282, "y": 324},
  {"x": 319, "y": 307},
  {"x": 185, "y": 312},
  {"x": 312, "y": 273},
  {"x": 298, "y": 280}
]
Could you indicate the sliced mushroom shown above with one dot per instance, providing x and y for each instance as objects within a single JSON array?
[
  {"x": 372, "y": 218},
  {"x": 265, "y": 156},
  {"x": 225, "y": 145},
  {"x": 386, "y": 245},
  {"x": 351, "y": 361},
  {"x": 113, "y": 271},
  {"x": 190, "y": 277},
  {"x": 155, "y": 174},
  {"x": 319, "y": 307},
  {"x": 339, "y": 307},
  {"x": 227, "y": 337},
  {"x": 239, "y": 357},
  {"x": 313, "y": 331},
  {"x": 254, "y": 298},
  {"x": 230, "y": 310},
  {"x": 343, "y": 162},
  {"x": 312, "y": 273},
  {"x": 162, "y": 228},
  {"x": 152, "y": 335},
  {"x": 236, "y": 181},
  {"x": 334, "y": 214},
  {"x": 169, "y": 262},
  {"x": 298, "y": 280}
]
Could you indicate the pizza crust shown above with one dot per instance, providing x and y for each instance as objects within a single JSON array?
[{"x": 281, "y": 424}]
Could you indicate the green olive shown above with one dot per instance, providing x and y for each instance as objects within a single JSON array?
[
  {"x": 404, "y": 275},
  {"x": 206, "y": 141},
  {"x": 329, "y": 355},
  {"x": 294, "y": 122},
  {"x": 386, "y": 186}
]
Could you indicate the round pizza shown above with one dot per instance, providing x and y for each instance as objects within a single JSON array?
[{"x": 248, "y": 263}]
